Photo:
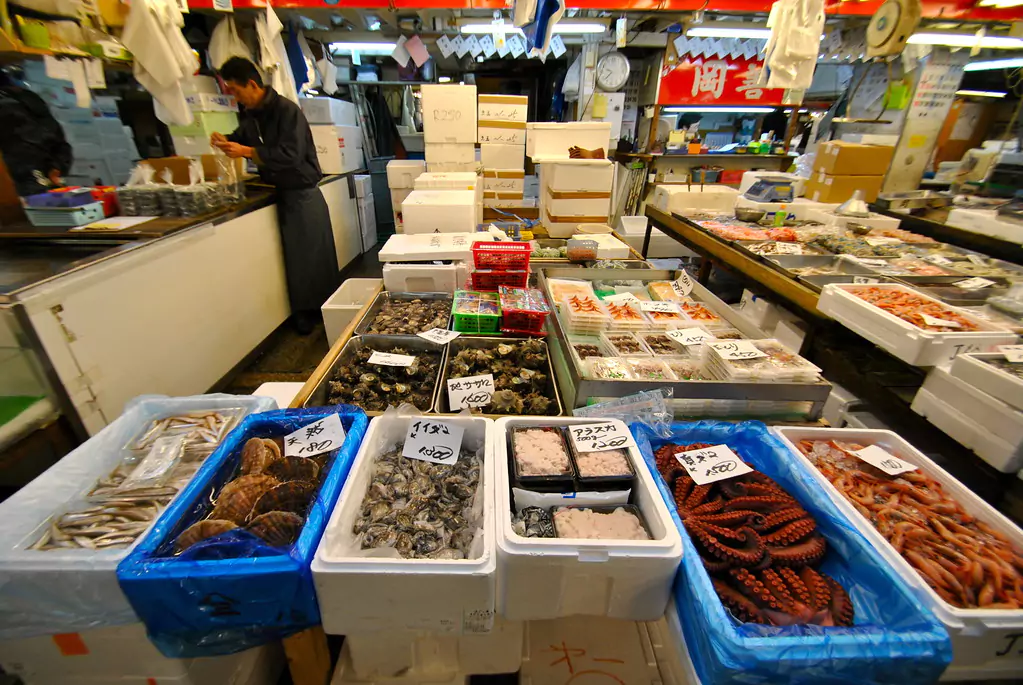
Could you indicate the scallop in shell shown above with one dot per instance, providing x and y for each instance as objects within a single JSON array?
[
  {"x": 293, "y": 468},
  {"x": 197, "y": 532},
  {"x": 259, "y": 481},
  {"x": 274, "y": 448},
  {"x": 256, "y": 456},
  {"x": 294, "y": 497},
  {"x": 235, "y": 506},
  {"x": 276, "y": 528}
]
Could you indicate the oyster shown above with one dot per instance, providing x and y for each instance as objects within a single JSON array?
[
  {"x": 197, "y": 532},
  {"x": 294, "y": 497},
  {"x": 276, "y": 528},
  {"x": 293, "y": 468}
]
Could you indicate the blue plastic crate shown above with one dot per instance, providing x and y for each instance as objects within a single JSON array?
[
  {"x": 233, "y": 592},
  {"x": 895, "y": 639},
  {"x": 65, "y": 216}
]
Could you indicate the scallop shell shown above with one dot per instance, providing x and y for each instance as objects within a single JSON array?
[
  {"x": 197, "y": 532},
  {"x": 256, "y": 481},
  {"x": 277, "y": 528},
  {"x": 293, "y": 468},
  {"x": 255, "y": 456},
  {"x": 294, "y": 497},
  {"x": 274, "y": 448},
  {"x": 236, "y": 505}
]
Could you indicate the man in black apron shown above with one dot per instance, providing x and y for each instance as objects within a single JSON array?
[{"x": 273, "y": 132}]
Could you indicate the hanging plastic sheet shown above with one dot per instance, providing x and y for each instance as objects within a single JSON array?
[
  {"x": 233, "y": 591},
  {"x": 895, "y": 639}
]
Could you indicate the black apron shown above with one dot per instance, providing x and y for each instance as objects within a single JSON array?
[{"x": 310, "y": 260}]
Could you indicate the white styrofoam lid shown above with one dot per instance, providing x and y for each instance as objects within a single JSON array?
[
  {"x": 568, "y": 161},
  {"x": 427, "y": 247},
  {"x": 440, "y": 197},
  {"x": 407, "y": 164}
]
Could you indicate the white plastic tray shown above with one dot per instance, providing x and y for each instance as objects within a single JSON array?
[
  {"x": 973, "y": 369},
  {"x": 549, "y": 141},
  {"x": 366, "y": 594},
  {"x": 967, "y": 432},
  {"x": 544, "y": 578},
  {"x": 982, "y": 639},
  {"x": 671, "y": 651},
  {"x": 902, "y": 339}
]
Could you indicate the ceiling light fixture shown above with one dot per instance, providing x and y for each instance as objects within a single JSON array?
[
  {"x": 363, "y": 48},
  {"x": 966, "y": 40},
  {"x": 731, "y": 32},
  {"x": 718, "y": 110},
  {"x": 981, "y": 93},
  {"x": 443, "y": 79},
  {"x": 1013, "y": 63}
]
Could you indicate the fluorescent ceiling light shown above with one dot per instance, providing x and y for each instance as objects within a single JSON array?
[
  {"x": 966, "y": 40},
  {"x": 1014, "y": 63},
  {"x": 982, "y": 93},
  {"x": 443, "y": 79},
  {"x": 365, "y": 48},
  {"x": 560, "y": 27},
  {"x": 718, "y": 110},
  {"x": 734, "y": 32}
]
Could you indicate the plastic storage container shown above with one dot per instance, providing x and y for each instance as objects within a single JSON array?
[
  {"x": 625, "y": 344},
  {"x": 543, "y": 578},
  {"x": 501, "y": 255},
  {"x": 978, "y": 370},
  {"x": 492, "y": 280},
  {"x": 551, "y": 141},
  {"x": 340, "y": 308},
  {"x": 359, "y": 594},
  {"x": 984, "y": 641},
  {"x": 65, "y": 216},
  {"x": 779, "y": 366},
  {"x": 418, "y": 277},
  {"x": 475, "y": 312},
  {"x": 523, "y": 311}
]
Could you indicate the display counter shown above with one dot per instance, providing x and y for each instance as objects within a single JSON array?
[{"x": 935, "y": 223}]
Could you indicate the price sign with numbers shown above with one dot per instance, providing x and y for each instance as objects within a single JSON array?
[
  {"x": 471, "y": 391},
  {"x": 787, "y": 248},
  {"x": 689, "y": 336},
  {"x": 864, "y": 280},
  {"x": 318, "y": 437},
  {"x": 439, "y": 335},
  {"x": 663, "y": 307},
  {"x": 683, "y": 285},
  {"x": 1013, "y": 353},
  {"x": 884, "y": 460},
  {"x": 388, "y": 359},
  {"x": 711, "y": 464},
  {"x": 874, "y": 242},
  {"x": 934, "y": 321},
  {"x": 975, "y": 283},
  {"x": 601, "y": 437},
  {"x": 435, "y": 441},
  {"x": 736, "y": 349},
  {"x": 938, "y": 260},
  {"x": 622, "y": 297},
  {"x": 976, "y": 259}
]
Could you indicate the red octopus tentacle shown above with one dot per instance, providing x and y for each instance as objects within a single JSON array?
[
  {"x": 778, "y": 518},
  {"x": 741, "y": 608},
  {"x": 841, "y": 605},
  {"x": 791, "y": 533},
  {"x": 759, "y": 504},
  {"x": 727, "y": 518},
  {"x": 746, "y": 548},
  {"x": 805, "y": 553},
  {"x": 820, "y": 592}
]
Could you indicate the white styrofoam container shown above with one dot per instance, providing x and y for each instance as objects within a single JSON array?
[
  {"x": 608, "y": 247},
  {"x": 504, "y": 180},
  {"x": 571, "y": 203},
  {"x": 427, "y": 248},
  {"x": 985, "y": 222},
  {"x": 402, "y": 173},
  {"x": 187, "y": 146},
  {"x": 578, "y": 175},
  {"x": 681, "y": 199},
  {"x": 449, "y": 113},
  {"x": 344, "y": 674},
  {"x": 439, "y": 211},
  {"x": 450, "y": 153},
  {"x": 974, "y": 370},
  {"x": 502, "y": 156},
  {"x": 359, "y": 594},
  {"x": 363, "y": 185},
  {"x": 957, "y": 425},
  {"x": 492, "y": 198},
  {"x": 463, "y": 180},
  {"x": 545, "y": 140},
  {"x": 902, "y": 339},
  {"x": 452, "y": 167},
  {"x": 544, "y": 578},
  {"x": 334, "y": 150},
  {"x": 671, "y": 651},
  {"x": 211, "y": 102},
  {"x": 983, "y": 640},
  {"x": 425, "y": 278},
  {"x": 345, "y": 302},
  {"x": 829, "y": 217},
  {"x": 501, "y": 132},
  {"x": 988, "y": 411},
  {"x": 329, "y": 111},
  {"x": 502, "y": 107}
]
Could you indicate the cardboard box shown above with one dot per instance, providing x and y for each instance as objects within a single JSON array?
[
  {"x": 402, "y": 173},
  {"x": 504, "y": 180},
  {"x": 502, "y": 132},
  {"x": 179, "y": 167},
  {"x": 439, "y": 211},
  {"x": 450, "y": 153},
  {"x": 211, "y": 102},
  {"x": 502, "y": 107},
  {"x": 838, "y": 157},
  {"x": 827, "y": 188},
  {"x": 501, "y": 156},
  {"x": 329, "y": 111},
  {"x": 449, "y": 113},
  {"x": 339, "y": 148}
]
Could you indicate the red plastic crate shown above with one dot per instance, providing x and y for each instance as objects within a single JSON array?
[
  {"x": 501, "y": 255},
  {"x": 523, "y": 310},
  {"x": 731, "y": 176},
  {"x": 490, "y": 280}
]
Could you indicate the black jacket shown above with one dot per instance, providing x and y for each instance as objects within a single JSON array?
[
  {"x": 30, "y": 139},
  {"x": 280, "y": 134}
]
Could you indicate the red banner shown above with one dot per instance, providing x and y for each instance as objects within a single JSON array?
[{"x": 727, "y": 81}]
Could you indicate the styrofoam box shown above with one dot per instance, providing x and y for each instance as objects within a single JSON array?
[
  {"x": 498, "y": 156},
  {"x": 402, "y": 173},
  {"x": 461, "y": 180},
  {"x": 902, "y": 339},
  {"x": 398, "y": 196},
  {"x": 427, "y": 248},
  {"x": 501, "y": 132},
  {"x": 329, "y": 111},
  {"x": 542, "y": 578},
  {"x": 981, "y": 638},
  {"x": 425, "y": 278},
  {"x": 492, "y": 198},
  {"x": 671, "y": 651},
  {"x": 345, "y": 302},
  {"x": 560, "y": 229},
  {"x": 751, "y": 177},
  {"x": 800, "y": 208},
  {"x": 957, "y": 425},
  {"x": 449, "y": 113},
  {"x": 345, "y": 675},
  {"x": 829, "y": 217},
  {"x": 187, "y": 146},
  {"x": 545, "y": 140},
  {"x": 989, "y": 412},
  {"x": 439, "y": 211},
  {"x": 363, "y": 185},
  {"x": 359, "y": 594},
  {"x": 450, "y": 153},
  {"x": 504, "y": 180},
  {"x": 682, "y": 199},
  {"x": 452, "y": 167},
  {"x": 335, "y": 154},
  {"x": 973, "y": 369},
  {"x": 212, "y": 102},
  {"x": 633, "y": 229},
  {"x": 570, "y": 204},
  {"x": 502, "y": 107},
  {"x": 578, "y": 175},
  {"x": 985, "y": 222}
]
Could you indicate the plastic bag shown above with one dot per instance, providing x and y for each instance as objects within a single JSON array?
[
  {"x": 233, "y": 591},
  {"x": 648, "y": 408},
  {"x": 225, "y": 43},
  {"x": 895, "y": 639}
]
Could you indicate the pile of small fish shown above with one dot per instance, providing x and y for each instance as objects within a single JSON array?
[{"x": 200, "y": 429}]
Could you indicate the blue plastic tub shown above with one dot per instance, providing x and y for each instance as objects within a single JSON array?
[
  {"x": 895, "y": 639},
  {"x": 233, "y": 591}
]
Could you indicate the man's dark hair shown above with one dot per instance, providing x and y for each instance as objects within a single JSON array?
[{"x": 240, "y": 70}]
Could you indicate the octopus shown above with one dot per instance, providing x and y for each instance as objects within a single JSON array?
[
  {"x": 760, "y": 547},
  {"x": 909, "y": 306},
  {"x": 964, "y": 560}
]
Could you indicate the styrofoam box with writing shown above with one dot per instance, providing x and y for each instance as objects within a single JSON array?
[
  {"x": 502, "y": 156},
  {"x": 449, "y": 113},
  {"x": 503, "y": 107}
]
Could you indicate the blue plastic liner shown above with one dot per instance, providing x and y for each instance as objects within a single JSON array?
[
  {"x": 895, "y": 639},
  {"x": 233, "y": 591}
]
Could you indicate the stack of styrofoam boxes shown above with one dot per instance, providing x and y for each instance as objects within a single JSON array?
[
  {"x": 502, "y": 136},
  {"x": 428, "y": 263},
  {"x": 401, "y": 181},
  {"x": 336, "y": 133},
  {"x": 440, "y": 211},
  {"x": 367, "y": 210},
  {"x": 456, "y": 180},
  {"x": 574, "y": 192},
  {"x": 449, "y": 127},
  {"x": 203, "y": 95},
  {"x": 119, "y": 151}
]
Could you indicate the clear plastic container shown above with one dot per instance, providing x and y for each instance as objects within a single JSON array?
[
  {"x": 585, "y": 314},
  {"x": 626, "y": 316},
  {"x": 608, "y": 368},
  {"x": 625, "y": 344},
  {"x": 780, "y": 365},
  {"x": 649, "y": 370}
]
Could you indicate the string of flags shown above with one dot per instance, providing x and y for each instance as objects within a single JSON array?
[{"x": 481, "y": 48}]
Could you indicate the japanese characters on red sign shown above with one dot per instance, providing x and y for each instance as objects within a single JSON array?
[{"x": 705, "y": 81}]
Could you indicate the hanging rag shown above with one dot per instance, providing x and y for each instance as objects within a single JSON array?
[
  {"x": 312, "y": 75},
  {"x": 273, "y": 58},
  {"x": 225, "y": 43},
  {"x": 541, "y": 28},
  {"x": 328, "y": 75},
  {"x": 295, "y": 57},
  {"x": 791, "y": 53},
  {"x": 162, "y": 57}
]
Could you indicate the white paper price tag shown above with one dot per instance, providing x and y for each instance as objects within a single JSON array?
[
  {"x": 558, "y": 46},
  {"x": 875, "y": 241},
  {"x": 938, "y": 260},
  {"x": 787, "y": 248},
  {"x": 461, "y": 46},
  {"x": 431, "y": 440},
  {"x": 517, "y": 45},
  {"x": 321, "y": 436},
  {"x": 690, "y": 336},
  {"x": 223, "y": 6},
  {"x": 933, "y": 321},
  {"x": 735, "y": 349},
  {"x": 388, "y": 359},
  {"x": 446, "y": 48},
  {"x": 684, "y": 285},
  {"x": 474, "y": 46},
  {"x": 623, "y": 297},
  {"x": 976, "y": 259},
  {"x": 662, "y": 307},
  {"x": 471, "y": 391},
  {"x": 487, "y": 43},
  {"x": 1013, "y": 353},
  {"x": 601, "y": 437},
  {"x": 440, "y": 336},
  {"x": 975, "y": 283},
  {"x": 871, "y": 262},
  {"x": 884, "y": 460},
  {"x": 864, "y": 280},
  {"x": 711, "y": 464}
]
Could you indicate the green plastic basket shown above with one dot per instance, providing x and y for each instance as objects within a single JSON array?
[{"x": 475, "y": 322}]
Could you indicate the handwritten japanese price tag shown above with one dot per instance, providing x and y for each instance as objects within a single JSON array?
[
  {"x": 938, "y": 259},
  {"x": 884, "y": 460},
  {"x": 623, "y": 297},
  {"x": 874, "y": 242},
  {"x": 711, "y": 464},
  {"x": 1013, "y": 353},
  {"x": 388, "y": 359},
  {"x": 683, "y": 285},
  {"x": 471, "y": 391},
  {"x": 975, "y": 283},
  {"x": 933, "y": 321},
  {"x": 322, "y": 436},
  {"x": 601, "y": 437},
  {"x": 446, "y": 48},
  {"x": 689, "y": 336},
  {"x": 663, "y": 307},
  {"x": 871, "y": 262},
  {"x": 864, "y": 280},
  {"x": 736, "y": 349},
  {"x": 439, "y": 335},
  {"x": 438, "y": 442},
  {"x": 787, "y": 248},
  {"x": 976, "y": 259}
]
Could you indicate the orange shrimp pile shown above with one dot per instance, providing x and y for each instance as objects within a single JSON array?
[{"x": 909, "y": 306}]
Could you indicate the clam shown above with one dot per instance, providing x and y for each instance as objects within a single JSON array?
[
  {"x": 294, "y": 497},
  {"x": 293, "y": 468},
  {"x": 197, "y": 532},
  {"x": 276, "y": 528}
]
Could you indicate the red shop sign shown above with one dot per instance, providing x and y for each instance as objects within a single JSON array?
[{"x": 703, "y": 81}]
